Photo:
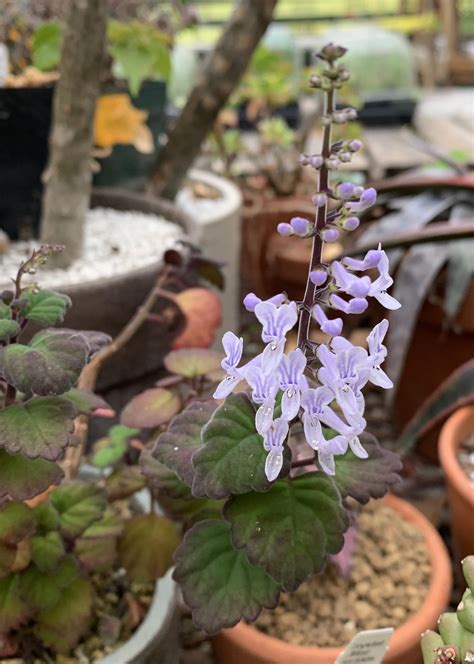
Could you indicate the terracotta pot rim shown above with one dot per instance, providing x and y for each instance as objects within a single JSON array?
[
  {"x": 449, "y": 442},
  {"x": 434, "y": 603}
]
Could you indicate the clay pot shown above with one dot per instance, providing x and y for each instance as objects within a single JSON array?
[
  {"x": 460, "y": 489},
  {"x": 245, "y": 643}
]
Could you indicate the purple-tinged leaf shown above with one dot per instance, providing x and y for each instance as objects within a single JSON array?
[
  {"x": 13, "y": 611},
  {"x": 192, "y": 362},
  {"x": 415, "y": 277},
  {"x": 218, "y": 583},
  {"x": 96, "y": 549},
  {"x": 343, "y": 559},
  {"x": 123, "y": 482},
  {"x": 40, "y": 427},
  {"x": 50, "y": 364},
  {"x": 42, "y": 590},
  {"x": 79, "y": 504},
  {"x": 96, "y": 341},
  {"x": 47, "y": 550},
  {"x": 455, "y": 392},
  {"x": 232, "y": 457},
  {"x": 290, "y": 529},
  {"x": 16, "y": 522},
  {"x": 22, "y": 478},
  {"x": 368, "y": 478},
  {"x": 151, "y": 409},
  {"x": 175, "y": 447},
  {"x": 84, "y": 402}
]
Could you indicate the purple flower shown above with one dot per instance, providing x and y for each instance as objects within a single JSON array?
[
  {"x": 349, "y": 283},
  {"x": 330, "y": 234},
  {"x": 356, "y": 305},
  {"x": 345, "y": 190},
  {"x": 233, "y": 347},
  {"x": 350, "y": 224},
  {"x": 264, "y": 390},
  {"x": 251, "y": 300},
  {"x": 319, "y": 200},
  {"x": 377, "y": 354},
  {"x": 379, "y": 287},
  {"x": 284, "y": 229},
  {"x": 318, "y": 277},
  {"x": 316, "y": 161},
  {"x": 273, "y": 442},
  {"x": 367, "y": 199},
  {"x": 332, "y": 327},
  {"x": 355, "y": 145},
  {"x": 276, "y": 322},
  {"x": 291, "y": 381},
  {"x": 370, "y": 260},
  {"x": 345, "y": 372},
  {"x": 299, "y": 225}
]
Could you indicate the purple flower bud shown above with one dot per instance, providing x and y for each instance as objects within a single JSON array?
[
  {"x": 316, "y": 161},
  {"x": 357, "y": 305},
  {"x": 315, "y": 81},
  {"x": 358, "y": 191},
  {"x": 304, "y": 159},
  {"x": 350, "y": 224},
  {"x": 355, "y": 145},
  {"x": 318, "y": 277},
  {"x": 345, "y": 157},
  {"x": 299, "y": 225},
  {"x": 330, "y": 235},
  {"x": 284, "y": 229},
  {"x": 250, "y": 301},
  {"x": 345, "y": 189},
  {"x": 350, "y": 113},
  {"x": 319, "y": 200},
  {"x": 369, "y": 197}
]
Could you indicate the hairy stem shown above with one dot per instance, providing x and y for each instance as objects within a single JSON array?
[{"x": 316, "y": 255}]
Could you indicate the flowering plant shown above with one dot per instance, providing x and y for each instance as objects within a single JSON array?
[{"x": 283, "y": 509}]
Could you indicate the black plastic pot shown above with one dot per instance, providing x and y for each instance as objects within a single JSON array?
[
  {"x": 290, "y": 113},
  {"x": 126, "y": 166},
  {"x": 25, "y": 119}
]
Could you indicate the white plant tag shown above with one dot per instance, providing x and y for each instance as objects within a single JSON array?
[{"x": 367, "y": 647}]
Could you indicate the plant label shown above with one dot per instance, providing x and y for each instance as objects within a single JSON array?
[{"x": 366, "y": 647}]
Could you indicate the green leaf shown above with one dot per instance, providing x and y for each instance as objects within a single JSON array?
[
  {"x": 123, "y": 482},
  {"x": 13, "y": 611},
  {"x": 8, "y": 553},
  {"x": 109, "y": 451},
  {"x": 364, "y": 479},
  {"x": 84, "y": 402},
  {"x": 151, "y": 408},
  {"x": 46, "y": 551},
  {"x": 193, "y": 362},
  {"x": 8, "y": 329},
  {"x": 40, "y": 427},
  {"x": 62, "y": 626},
  {"x": 291, "y": 529},
  {"x": 46, "y": 45},
  {"x": 217, "y": 581},
  {"x": 79, "y": 504},
  {"x": 232, "y": 458},
  {"x": 46, "y": 307},
  {"x": 175, "y": 447},
  {"x": 16, "y": 522},
  {"x": 47, "y": 517},
  {"x": 41, "y": 590},
  {"x": 50, "y": 364},
  {"x": 146, "y": 547},
  {"x": 456, "y": 391},
  {"x": 96, "y": 549},
  {"x": 22, "y": 478}
]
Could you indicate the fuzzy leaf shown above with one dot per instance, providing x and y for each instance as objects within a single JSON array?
[
  {"x": 13, "y": 611},
  {"x": 8, "y": 553},
  {"x": 47, "y": 517},
  {"x": 232, "y": 457},
  {"x": 50, "y": 364},
  {"x": 192, "y": 362},
  {"x": 364, "y": 479},
  {"x": 40, "y": 427},
  {"x": 16, "y": 522},
  {"x": 46, "y": 307},
  {"x": 217, "y": 581},
  {"x": 83, "y": 401},
  {"x": 146, "y": 547},
  {"x": 42, "y": 590},
  {"x": 151, "y": 408},
  {"x": 175, "y": 447},
  {"x": 97, "y": 547},
  {"x": 79, "y": 505},
  {"x": 124, "y": 482},
  {"x": 46, "y": 551},
  {"x": 8, "y": 329},
  {"x": 109, "y": 451},
  {"x": 291, "y": 529},
  {"x": 62, "y": 626},
  {"x": 456, "y": 391},
  {"x": 22, "y": 478}
]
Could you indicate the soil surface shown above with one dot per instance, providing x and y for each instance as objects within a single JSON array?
[
  {"x": 387, "y": 582},
  {"x": 466, "y": 456}
]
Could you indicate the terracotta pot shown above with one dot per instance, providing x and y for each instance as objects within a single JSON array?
[
  {"x": 244, "y": 643},
  {"x": 460, "y": 489}
]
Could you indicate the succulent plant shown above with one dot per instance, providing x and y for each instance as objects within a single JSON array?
[{"x": 454, "y": 644}]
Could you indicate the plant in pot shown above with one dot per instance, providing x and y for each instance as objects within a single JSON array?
[{"x": 287, "y": 455}]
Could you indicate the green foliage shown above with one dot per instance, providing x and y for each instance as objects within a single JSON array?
[
  {"x": 275, "y": 133},
  {"x": 456, "y": 630},
  {"x": 109, "y": 451},
  {"x": 78, "y": 504},
  {"x": 46, "y": 45},
  {"x": 46, "y": 307},
  {"x": 151, "y": 408}
]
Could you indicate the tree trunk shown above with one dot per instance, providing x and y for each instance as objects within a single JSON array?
[
  {"x": 68, "y": 175},
  {"x": 220, "y": 74}
]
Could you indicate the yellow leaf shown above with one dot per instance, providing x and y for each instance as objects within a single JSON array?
[{"x": 118, "y": 121}]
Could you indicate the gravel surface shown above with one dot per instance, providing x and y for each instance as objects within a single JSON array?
[{"x": 116, "y": 242}]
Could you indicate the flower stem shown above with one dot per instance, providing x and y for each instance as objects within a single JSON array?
[{"x": 320, "y": 222}]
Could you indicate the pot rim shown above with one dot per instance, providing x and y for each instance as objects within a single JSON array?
[
  {"x": 427, "y": 615},
  {"x": 449, "y": 442}
]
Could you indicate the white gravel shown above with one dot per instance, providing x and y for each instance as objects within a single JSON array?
[{"x": 116, "y": 242}]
